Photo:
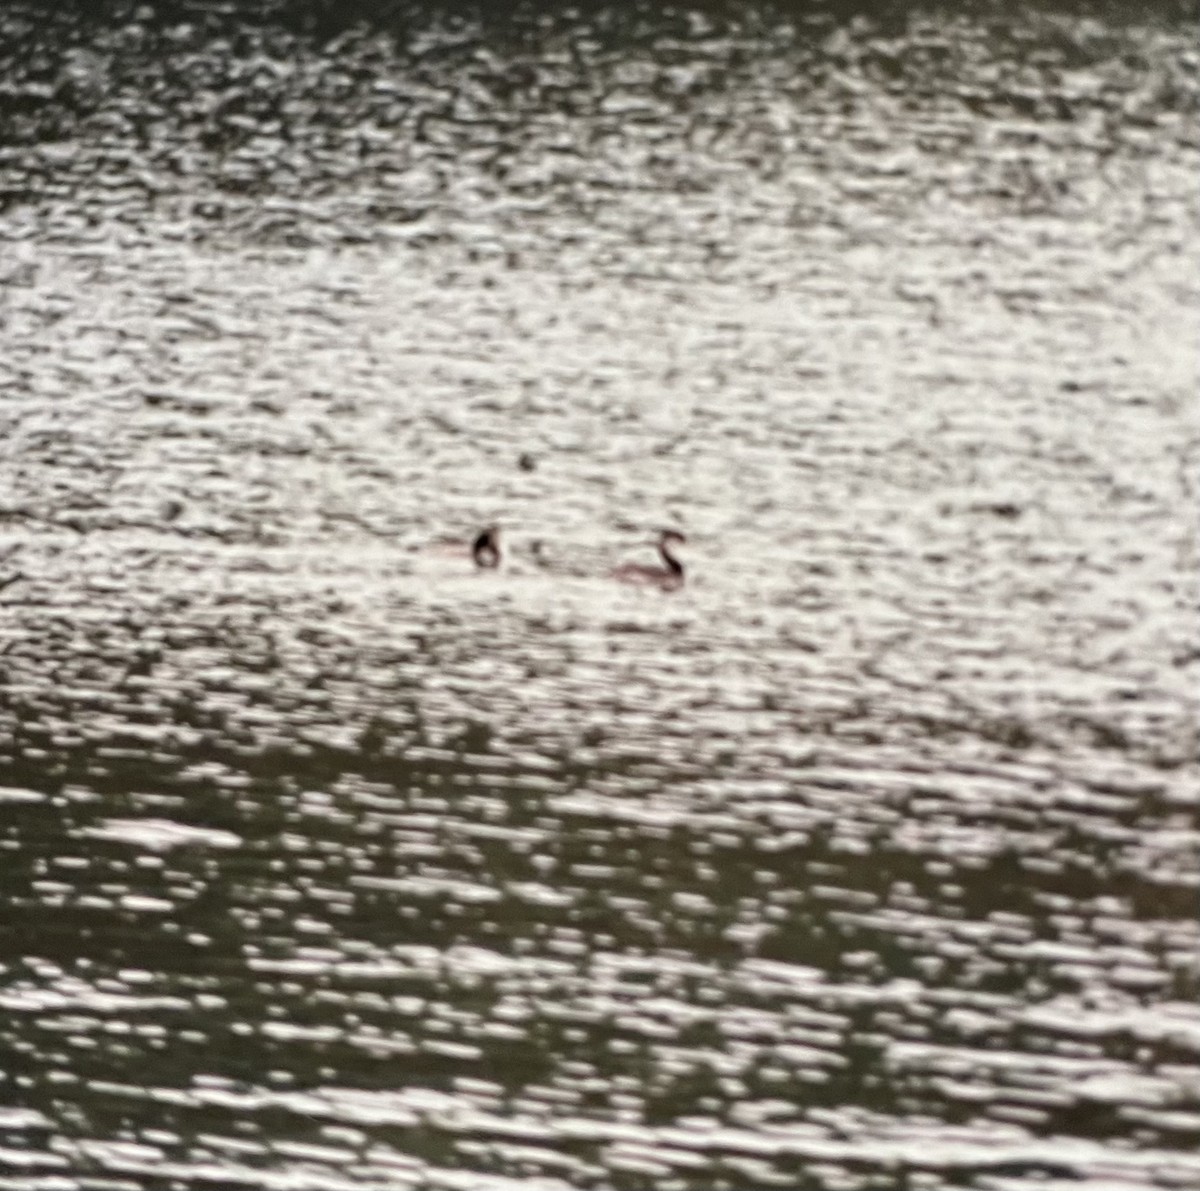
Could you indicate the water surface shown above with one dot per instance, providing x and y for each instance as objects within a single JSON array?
[{"x": 868, "y": 859}]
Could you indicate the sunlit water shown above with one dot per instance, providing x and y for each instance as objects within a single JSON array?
[{"x": 869, "y": 859}]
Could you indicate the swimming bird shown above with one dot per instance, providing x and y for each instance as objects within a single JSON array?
[
  {"x": 485, "y": 549},
  {"x": 668, "y": 576}
]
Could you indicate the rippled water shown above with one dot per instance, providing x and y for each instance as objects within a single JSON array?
[{"x": 870, "y": 858}]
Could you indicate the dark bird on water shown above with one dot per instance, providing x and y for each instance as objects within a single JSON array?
[
  {"x": 485, "y": 550},
  {"x": 668, "y": 576}
]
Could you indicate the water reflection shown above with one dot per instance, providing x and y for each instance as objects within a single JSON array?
[{"x": 868, "y": 854}]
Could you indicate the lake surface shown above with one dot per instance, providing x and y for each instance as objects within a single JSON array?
[{"x": 869, "y": 858}]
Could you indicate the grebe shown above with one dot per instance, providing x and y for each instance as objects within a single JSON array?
[
  {"x": 485, "y": 549},
  {"x": 668, "y": 576}
]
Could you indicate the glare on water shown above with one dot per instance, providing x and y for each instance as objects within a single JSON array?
[{"x": 865, "y": 856}]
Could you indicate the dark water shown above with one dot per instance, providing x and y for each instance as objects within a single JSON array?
[{"x": 868, "y": 859}]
